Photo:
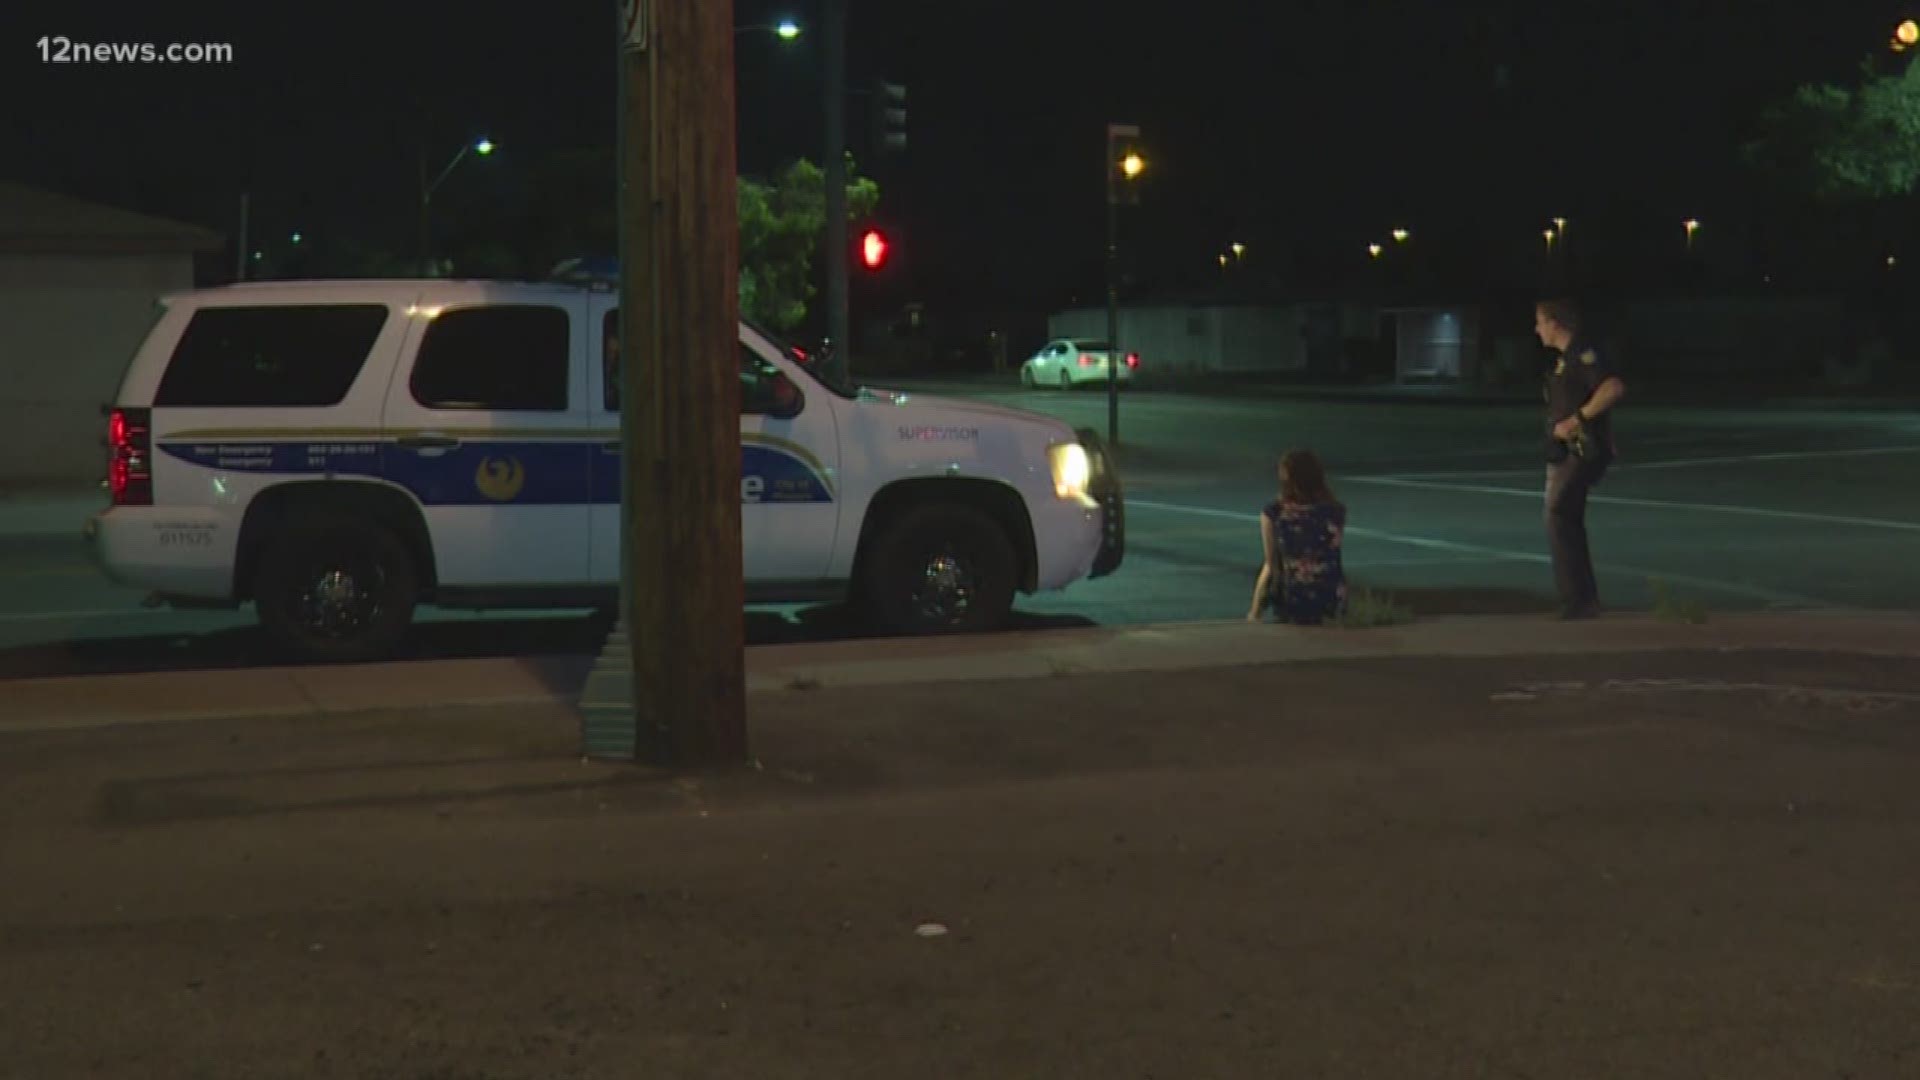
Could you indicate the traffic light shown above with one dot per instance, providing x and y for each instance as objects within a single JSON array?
[
  {"x": 873, "y": 249},
  {"x": 889, "y": 117}
]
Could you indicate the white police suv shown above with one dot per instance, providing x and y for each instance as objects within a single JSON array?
[{"x": 338, "y": 452}]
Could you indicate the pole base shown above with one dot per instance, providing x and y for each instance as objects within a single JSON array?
[{"x": 606, "y": 702}]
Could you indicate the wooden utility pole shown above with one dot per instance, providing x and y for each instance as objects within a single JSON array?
[{"x": 681, "y": 591}]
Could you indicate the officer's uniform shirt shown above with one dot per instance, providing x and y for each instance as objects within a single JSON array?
[{"x": 1576, "y": 374}]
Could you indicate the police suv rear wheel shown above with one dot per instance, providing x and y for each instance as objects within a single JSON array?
[
  {"x": 332, "y": 590},
  {"x": 940, "y": 570}
]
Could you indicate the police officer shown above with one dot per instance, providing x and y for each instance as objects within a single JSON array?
[{"x": 1581, "y": 392}]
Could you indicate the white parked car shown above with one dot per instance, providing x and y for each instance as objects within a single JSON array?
[
  {"x": 1068, "y": 362},
  {"x": 336, "y": 452}
]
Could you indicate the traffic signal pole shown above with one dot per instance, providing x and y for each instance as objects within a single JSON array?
[
  {"x": 681, "y": 589},
  {"x": 834, "y": 98}
]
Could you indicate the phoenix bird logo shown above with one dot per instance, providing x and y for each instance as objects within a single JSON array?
[{"x": 500, "y": 479}]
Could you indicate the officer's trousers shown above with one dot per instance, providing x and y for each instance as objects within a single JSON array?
[{"x": 1569, "y": 481}]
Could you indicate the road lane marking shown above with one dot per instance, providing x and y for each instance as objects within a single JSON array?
[
  {"x": 41, "y": 616},
  {"x": 1653, "y": 504},
  {"x": 1731, "y": 588},
  {"x": 1672, "y": 463}
]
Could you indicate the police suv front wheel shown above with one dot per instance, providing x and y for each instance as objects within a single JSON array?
[
  {"x": 332, "y": 590},
  {"x": 940, "y": 569}
]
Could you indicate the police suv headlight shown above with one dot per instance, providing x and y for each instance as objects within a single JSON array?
[{"x": 1072, "y": 470}]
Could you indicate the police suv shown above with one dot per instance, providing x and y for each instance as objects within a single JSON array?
[{"x": 337, "y": 452}]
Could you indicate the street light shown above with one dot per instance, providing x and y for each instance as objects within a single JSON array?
[
  {"x": 1375, "y": 250},
  {"x": 1401, "y": 236},
  {"x": 1239, "y": 251},
  {"x": 1123, "y": 168},
  {"x": 785, "y": 29},
  {"x": 482, "y": 146},
  {"x": 1550, "y": 236},
  {"x": 1906, "y": 35},
  {"x": 1692, "y": 226}
]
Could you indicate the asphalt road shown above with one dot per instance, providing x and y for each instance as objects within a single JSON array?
[{"x": 1734, "y": 508}]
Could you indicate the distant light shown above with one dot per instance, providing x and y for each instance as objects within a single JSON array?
[
  {"x": 1239, "y": 251},
  {"x": 1891, "y": 261},
  {"x": 1549, "y": 234},
  {"x": 1691, "y": 224},
  {"x": 1400, "y": 236},
  {"x": 1908, "y": 33},
  {"x": 1223, "y": 260},
  {"x": 1375, "y": 250},
  {"x": 1133, "y": 165},
  {"x": 484, "y": 146},
  {"x": 1560, "y": 223},
  {"x": 258, "y": 255},
  {"x": 788, "y": 29},
  {"x": 294, "y": 238}
]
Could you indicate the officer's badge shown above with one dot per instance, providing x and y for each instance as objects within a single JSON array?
[
  {"x": 1589, "y": 357},
  {"x": 1560, "y": 366},
  {"x": 500, "y": 479}
]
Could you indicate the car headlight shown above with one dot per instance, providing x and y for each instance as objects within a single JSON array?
[{"x": 1072, "y": 470}]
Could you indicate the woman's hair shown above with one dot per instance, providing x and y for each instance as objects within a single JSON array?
[{"x": 1302, "y": 480}]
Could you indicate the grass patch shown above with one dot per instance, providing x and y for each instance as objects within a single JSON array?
[
  {"x": 1669, "y": 606},
  {"x": 1366, "y": 608}
]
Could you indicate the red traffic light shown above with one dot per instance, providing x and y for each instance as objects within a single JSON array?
[{"x": 873, "y": 249}]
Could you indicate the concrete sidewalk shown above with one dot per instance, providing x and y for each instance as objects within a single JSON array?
[
  {"x": 1682, "y": 861},
  {"x": 319, "y": 691}
]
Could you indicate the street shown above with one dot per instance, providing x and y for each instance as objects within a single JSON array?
[{"x": 1738, "y": 509}]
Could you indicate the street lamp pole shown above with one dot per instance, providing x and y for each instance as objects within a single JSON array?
[
  {"x": 482, "y": 147},
  {"x": 1119, "y": 173}
]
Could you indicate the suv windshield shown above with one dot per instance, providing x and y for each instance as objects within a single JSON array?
[{"x": 805, "y": 362}]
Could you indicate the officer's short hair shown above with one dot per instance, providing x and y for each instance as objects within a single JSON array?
[{"x": 1564, "y": 313}]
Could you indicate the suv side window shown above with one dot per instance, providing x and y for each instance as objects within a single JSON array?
[
  {"x": 760, "y": 381},
  {"x": 498, "y": 357},
  {"x": 286, "y": 356}
]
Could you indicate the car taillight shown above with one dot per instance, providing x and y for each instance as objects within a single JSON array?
[
  {"x": 1085, "y": 360},
  {"x": 130, "y": 466},
  {"x": 1133, "y": 359}
]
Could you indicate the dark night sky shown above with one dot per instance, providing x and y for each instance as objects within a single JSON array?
[{"x": 1303, "y": 129}]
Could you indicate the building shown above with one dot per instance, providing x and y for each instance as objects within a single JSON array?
[
  {"x": 78, "y": 284},
  {"x": 1307, "y": 339}
]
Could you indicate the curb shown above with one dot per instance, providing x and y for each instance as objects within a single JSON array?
[{"x": 600, "y": 687}]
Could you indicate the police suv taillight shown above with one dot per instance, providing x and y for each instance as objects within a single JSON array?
[{"x": 130, "y": 460}]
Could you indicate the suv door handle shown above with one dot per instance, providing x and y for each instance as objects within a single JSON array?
[{"x": 428, "y": 442}]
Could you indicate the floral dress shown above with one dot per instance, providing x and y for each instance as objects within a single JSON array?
[{"x": 1312, "y": 586}]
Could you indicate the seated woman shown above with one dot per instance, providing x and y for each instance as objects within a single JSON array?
[{"x": 1300, "y": 532}]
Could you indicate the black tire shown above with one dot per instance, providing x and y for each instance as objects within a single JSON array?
[
  {"x": 380, "y": 583},
  {"x": 1066, "y": 381},
  {"x": 904, "y": 589}
]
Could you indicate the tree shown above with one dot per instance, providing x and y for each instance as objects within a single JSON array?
[
  {"x": 1847, "y": 143},
  {"x": 780, "y": 228}
]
